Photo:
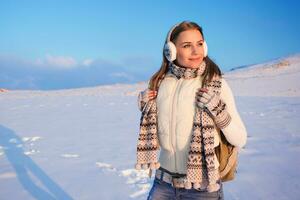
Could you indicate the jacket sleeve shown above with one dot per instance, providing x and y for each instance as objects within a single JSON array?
[{"x": 234, "y": 131}]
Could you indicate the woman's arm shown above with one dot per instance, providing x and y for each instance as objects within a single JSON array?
[
  {"x": 223, "y": 110},
  {"x": 234, "y": 130}
]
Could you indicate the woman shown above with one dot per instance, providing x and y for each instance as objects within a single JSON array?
[{"x": 187, "y": 102}]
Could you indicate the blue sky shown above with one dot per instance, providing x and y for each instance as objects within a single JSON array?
[{"x": 128, "y": 36}]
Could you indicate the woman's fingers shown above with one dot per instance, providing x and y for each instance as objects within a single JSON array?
[
  {"x": 202, "y": 99},
  {"x": 203, "y": 89},
  {"x": 152, "y": 91},
  {"x": 152, "y": 94},
  {"x": 201, "y": 94},
  {"x": 206, "y": 95}
]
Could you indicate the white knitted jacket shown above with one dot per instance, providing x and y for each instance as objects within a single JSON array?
[{"x": 176, "y": 109}]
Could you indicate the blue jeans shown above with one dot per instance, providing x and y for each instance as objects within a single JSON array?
[{"x": 165, "y": 191}]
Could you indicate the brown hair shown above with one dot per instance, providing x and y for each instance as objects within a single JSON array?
[{"x": 211, "y": 68}]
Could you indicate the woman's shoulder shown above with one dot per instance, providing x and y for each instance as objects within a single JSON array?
[
  {"x": 225, "y": 90},
  {"x": 222, "y": 81}
]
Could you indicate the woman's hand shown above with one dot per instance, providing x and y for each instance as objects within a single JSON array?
[
  {"x": 215, "y": 105},
  {"x": 148, "y": 94},
  {"x": 208, "y": 99},
  {"x": 144, "y": 97}
]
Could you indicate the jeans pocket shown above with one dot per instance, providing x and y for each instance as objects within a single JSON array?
[
  {"x": 201, "y": 194},
  {"x": 159, "y": 182}
]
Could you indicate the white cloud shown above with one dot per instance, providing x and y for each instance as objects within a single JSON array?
[
  {"x": 121, "y": 75},
  {"x": 54, "y": 72},
  {"x": 87, "y": 62},
  {"x": 64, "y": 62}
]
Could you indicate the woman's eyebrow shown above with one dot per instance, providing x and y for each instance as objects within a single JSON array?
[{"x": 190, "y": 42}]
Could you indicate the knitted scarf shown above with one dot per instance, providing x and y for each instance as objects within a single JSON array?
[
  {"x": 186, "y": 73},
  {"x": 201, "y": 172}
]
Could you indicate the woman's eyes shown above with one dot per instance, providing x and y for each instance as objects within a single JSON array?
[{"x": 188, "y": 45}]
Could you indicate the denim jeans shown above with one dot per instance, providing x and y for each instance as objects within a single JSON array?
[{"x": 165, "y": 191}]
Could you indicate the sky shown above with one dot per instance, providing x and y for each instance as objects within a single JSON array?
[{"x": 121, "y": 41}]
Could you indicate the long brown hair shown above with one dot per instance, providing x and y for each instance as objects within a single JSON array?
[{"x": 211, "y": 68}]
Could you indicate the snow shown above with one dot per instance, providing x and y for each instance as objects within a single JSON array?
[
  {"x": 275, "y": 78},
  {"x": 81, "y": 143}
]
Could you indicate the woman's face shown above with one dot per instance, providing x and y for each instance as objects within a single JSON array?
[{"x": 189, "y": 46}]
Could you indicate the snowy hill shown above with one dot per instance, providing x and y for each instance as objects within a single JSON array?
[
  {"x": 80, "y": 143},
  {"x": 276, "y": 78}
]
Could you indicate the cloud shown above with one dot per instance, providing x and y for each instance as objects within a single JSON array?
[
  {"x": 59, "y": 72},
  {"x": 63, "y": 62},
  {"x": 87, "y": 62}
]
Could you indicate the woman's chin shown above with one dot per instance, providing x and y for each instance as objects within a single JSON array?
[{"x": 194, "y": 66}]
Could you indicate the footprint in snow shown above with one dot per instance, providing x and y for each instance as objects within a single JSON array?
[
  {"x": 31, "y": 152},
  {"x": 29, "y": 143},
  {"x": 249, "y": 151},
  {"x": 139, "y": 179},
  {"x": 66, "y": 155},
  {"x": 105, "y": 166},
  {"x": 31, "y": 139},
  {"x": 26, "y": 143}
]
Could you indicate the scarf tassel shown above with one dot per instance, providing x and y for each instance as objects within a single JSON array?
[
  {"x": 152, "y": 166},
  {"x": 210, "y": 188}
]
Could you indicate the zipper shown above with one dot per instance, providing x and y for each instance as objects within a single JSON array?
[{"x": 172, "y": 119}]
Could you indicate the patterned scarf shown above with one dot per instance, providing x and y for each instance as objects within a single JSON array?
[
  {"x": 186, "y": 73},
  {"x": 201, "y": 172}
]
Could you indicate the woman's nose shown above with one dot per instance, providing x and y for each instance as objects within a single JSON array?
[{"x": 195, "y": 50}]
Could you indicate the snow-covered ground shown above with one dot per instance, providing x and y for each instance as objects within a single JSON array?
[{"x": 81, "y": 143}]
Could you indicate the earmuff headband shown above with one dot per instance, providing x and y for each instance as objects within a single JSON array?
[{"x": 170, "y": 48}]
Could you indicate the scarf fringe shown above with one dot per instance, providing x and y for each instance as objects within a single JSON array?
[
  {"x": 197, "y": 185},
  {"x": 152, "y": 166}
]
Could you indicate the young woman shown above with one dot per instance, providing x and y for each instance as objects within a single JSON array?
[{"x": 185, "y": 105}]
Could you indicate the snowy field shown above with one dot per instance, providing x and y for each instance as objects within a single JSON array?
[{"x": 81, "y": 143}]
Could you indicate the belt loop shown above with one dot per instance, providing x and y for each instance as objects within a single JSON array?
[
  {"x": 150, "y": 173},
  {"x": 161, "y": 174}
]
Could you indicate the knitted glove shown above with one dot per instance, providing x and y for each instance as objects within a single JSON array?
[
  {"x": 215, "y": 105},
  {"x": 144, "y": 96}
]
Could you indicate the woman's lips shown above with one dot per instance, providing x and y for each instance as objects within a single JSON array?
[{"x": 194, "y": 59}]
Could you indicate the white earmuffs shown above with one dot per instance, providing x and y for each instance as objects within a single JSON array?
[{"x": 170, "y": 48}]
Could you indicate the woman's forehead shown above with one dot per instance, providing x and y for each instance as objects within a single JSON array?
[{"x": 189, "y": 36}]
